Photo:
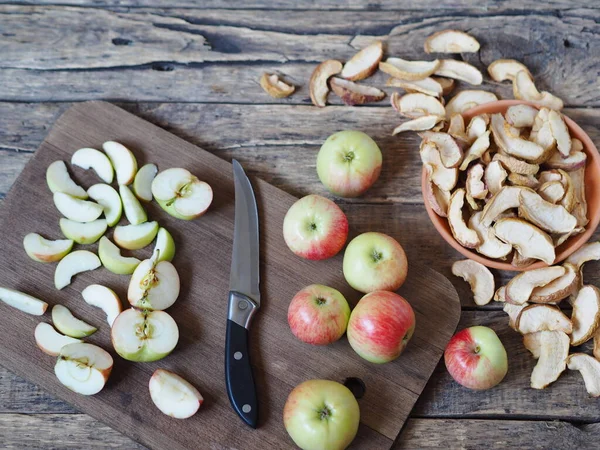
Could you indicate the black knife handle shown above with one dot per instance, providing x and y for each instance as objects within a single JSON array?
[{"x": 238, "y": 374}]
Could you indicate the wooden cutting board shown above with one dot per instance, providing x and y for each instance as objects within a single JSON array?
[{"x": 203, "y": 260}]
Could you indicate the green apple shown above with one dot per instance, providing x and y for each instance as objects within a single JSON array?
[
  {"x": 44, "y": 250},
  {"x": 76, "y": 209},
  {"x": 181, "y": 194},
  {"x": 83, "y": 233},
  {"x": 50, "y": 341},
  {"x": 90, "y": 158},
  {"x": 173, "y": 395},
  {"x": 83, "y": 368},
  {"x": 58, "y": 180},
  {"x": 134, "y": 237},
  {"x": 23, "y": 302},
  {"x": 104, "y": 298},
  {"x": 321, "y": 415},
  {"x": 164, "y": 249},
  {"x": 68, "y": 324},
  {"x": 154, "y": 285},
  {"x": 110, "y": 200},
  {"x": 348, "y": 163},
  {"x": 72, "y": 264},
  {"x": 111, "y": 258},
  {"x": 142, "y": 184},
  {"x": 122, "y": 160},
  {"x": 144, "y": 336},
  {"x": 132, "y": 206}
]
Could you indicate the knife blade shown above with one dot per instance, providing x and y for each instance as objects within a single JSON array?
[{"x": 244, "y": 300}]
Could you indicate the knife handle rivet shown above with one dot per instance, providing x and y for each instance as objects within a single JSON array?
[
  {"x": 246, "y": 408},
  {"x": 237, "y": 356},
  {"x": 243, "y": 304}
]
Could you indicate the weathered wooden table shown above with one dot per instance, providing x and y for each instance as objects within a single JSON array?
[{"x": 193, "y": 68}]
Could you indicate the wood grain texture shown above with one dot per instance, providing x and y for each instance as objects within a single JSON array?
[{"x": 281, "y": 361}]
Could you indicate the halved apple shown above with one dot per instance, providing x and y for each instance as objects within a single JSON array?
[
  {"x": 144, "y": 336},
  {"x": 83, "y": 368},
  {"x": 134, "y": 237},
  {"x": 51, "y": 341},
  {"x": 164, "y": 249},
  {"x": 72, "y": 264},
  {"x": 44, "y": 250},
  {"x": 90, "y": 158},
  {"x": 173, "y": 395},
  {"x": 154, "y": 285},
  {"x": 132, "y": 206},
  {"x": 59, "y": 180},
  {"x": 68, "y": 324},
  {"x": 142, "y": 184},
  {"x": 83, "y": 233},
  {"x": 122, "y": 160},
  {"x": 23, "y": 302},
  {"x": 104, "y": 298},
  {"x": 181, "y": 194},
  {"x": 111, "y": 258},
  {"x": 110, "y": 200},
  {"x": 76, "y": 209}
]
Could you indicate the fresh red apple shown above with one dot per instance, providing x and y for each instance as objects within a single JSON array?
[
  {"x": 476, "y": 358},
  {"x": 318, "y": 315},
  {"x": 315, "y": 228},
  {"x": 321, "y": 415},
  {"x": 380, "y": 326},
  {"x": 375, "y": 262}
]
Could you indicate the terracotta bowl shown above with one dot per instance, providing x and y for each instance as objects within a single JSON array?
[{"x": 592, "y": 193}]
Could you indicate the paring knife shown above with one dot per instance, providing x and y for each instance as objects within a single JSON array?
[{"x": 244, "y": 300}]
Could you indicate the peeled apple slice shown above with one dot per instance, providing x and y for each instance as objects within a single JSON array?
[
  {"x": 122, "y": 160},
  {"x": 90, "y": 158},
  {"x": 173, "y": 395},
  {"x": 133, "y": 209},
  {"x": 23, "y": 302},
  {"x": 50, "y": 341},
  {"x": 134, "y": 237},
  {"x": 109, "y": 199},
  {"x": 83, "y": 233},
  {"x": 142, "y": 184},
  {"x": 111, "y": 258},
  {"x": 76, "y": 209},
  {"x": 59, "y": 180},
  {"x": 154, "y": 285},
  {"x": 68, "y": 324},
  {"x": 72, "y": 264},
  {"x": 104, "y": 298},
  {"x": 44, "y": 250},
  {"x": 83, "y": 368}
]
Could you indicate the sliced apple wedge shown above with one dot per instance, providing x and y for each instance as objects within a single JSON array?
[
  {"x": 164, "y": 249},
  {"x": 104, "y": 298},
  {"x": 173, "y": 395},
  {"x": 44, "y": 250},
  {"x": 142, "y": 184},
  {"x": 90, "y": 158},
  {"x": 23, "y": 302},
  {"x": 111, "y": 258},
  {"x": 122, "y": 160},
  {"x": 59, "y": 180},
  {"x": 109, "y": 199},
  {"x": 72, "y": 264},
  {"x": 76, "y": 209},
  {"x": 154, "y": 285},
  {"x": 133, "y": 209},
  {"x": 51, "y": 341},
  {"x": 83, "y": 233},
  {"x": 144, "y": 336},
  {"x": 83, "y": 368},
  {"x": 68, "y": 324},
  {"x": 134, "y": 237},
  {"x": 181, "y": 194}
]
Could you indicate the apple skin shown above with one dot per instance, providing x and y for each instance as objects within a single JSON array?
[
  {"x": 476, "y": 358},
  {"x": 318, "y": 315},
  {"x": 375, "y": 262},
  {"x": 380, "y": 326},
  {"x": 308, "y": 402},
  {"x": 315, "y": 228},
  {"x": 348, "y": 163}
]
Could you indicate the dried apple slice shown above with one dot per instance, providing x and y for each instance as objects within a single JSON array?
[
  {"x": 409, "y": 70},
  {"x": 476, "y": 150},
  {"x": 468, "y": 99},
  {"x": 506, "y": 69},
  {"x": 552, "y": 191},
  {"x": 438, "y": 199},
  {"x": 524, "y": 89},
  {"x": 461, "y": 232},
  {"x": 597, "y": 344},
  {"x": 364, "y": 63},
  {"x": 446, "y": 83},
  {"x": 515, "y": 165},
  {"x": 514, "y": 146},
  {"x": 494, "y": 176},
  {"x": 513, "y": 312},
  {"x": 558, "y": 289},
  {"x": 416, "y": 105},
  {"x": 422, "y": 123},
  {"x": 500, "y": 294},
  {"x": 529, "y": 240},
  {"x": 587, "y": 252},
  {"x": 541, "y": 133},
  {"x": 520, "y": 288},
  {"x": 477, "y": 127},
  {"x": 427, "y": 86},
  {"x": 275, "y": 87},
  {"x": 589, "y": 368},
  {"x": 474, "y": 186},
  {"x": 552, "y": 350},
  {"x": 559, "y": 239},
  {"x": 548, "y": 216},
  {"x": 560, "y": 132},
  {"x": 519, "y": 260},
  {"x": 536, "y": 318},
  {"x": 568, "y": 200},
  {"x": 490, "y": 246},
  {"x": 578, "y": 186},
  {"x": 528, "y": 181},
  {"x": 459, "y": 70},
  {"x": 573, "y": 162},
  {"x": 451, "y": 41},
  {"x": 355, "y": 94},
  {"x": 549, "y": 175},
  {"x": 521, "y": 115},
  {"x": 318, "y": 87},
  {"x": 586, "y": 314},
  {"x": 506, "y": 198},
  {"x": 456, "y": 127},
  {"x": 479, "y": 278},
  {"x": 443, "y": 177},
  {"x": 450, "y": 152}
]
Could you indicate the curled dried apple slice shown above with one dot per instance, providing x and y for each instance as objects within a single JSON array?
[
  {"x": 459, "y": 70},
  {"x": 516, "y": 165},
  {"x": 559, "y": 239},
  {"x": 318, "y": 88},
  {"x": 552, "y": 191},
  {"x": 364, "y": 63},
  {"x": 587, "y": 252},
  {"x": 506, "y": 198},
  {"x": 456, "y": 128},
  {"x": 408, "y": 70},
  {"x": 589, "y": 368},
  {"x": 479, "y": 278},
  {"x": 523, "y": 180},
  {"x": 520, "y": 288},
  {"x": 514, "y": 146},
  {"x": 275, "y": 87},
  {"x": 477, "y": 127},
  {"x": 548, "y": 216},
  {"x": 506, "y": 69},
  {"x": 586, "y": 314},
  {"x": 422, "y": 123},
  {"x": 436, "y": 198},
  {"x": 578, "y": 185},
  {"x": 355, "y": 94},
  {"x": 446, "y": 83},
  {"x": 560, "y": 132},
  {"x": 549, "y": 175},
  {"x": 552, "y": 350},
  {"x": 468, "y": 99},
  {"x": 541, "y": 132},
  {"x": 513, "y": 312},
  {"x": 445, "y": 178},
  {"x": 450, "y": 152},
  {"x": 524, "y": 89},
  {"x": 494, "y": 176},
  {"x": 451, "y": 41},
  {"x": 573, "y": 162},
  {"x": 500, "y": 294},
  {"x": 529, "y": 240},
  {"x": 474, "y": 186},
  {"x": 490, "y": 246},
  {"x": 476, "y": 150},
  {"x": 559, "y": 288},
  {"x": 597, "y": 344},
  {"x": 417, "y": 105},
  {"x": 535, "y": 318},
  {"x": 521, "y": 115},
  {"x": 427, "y": 86},
  {"x": 461, "y": 232}
]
